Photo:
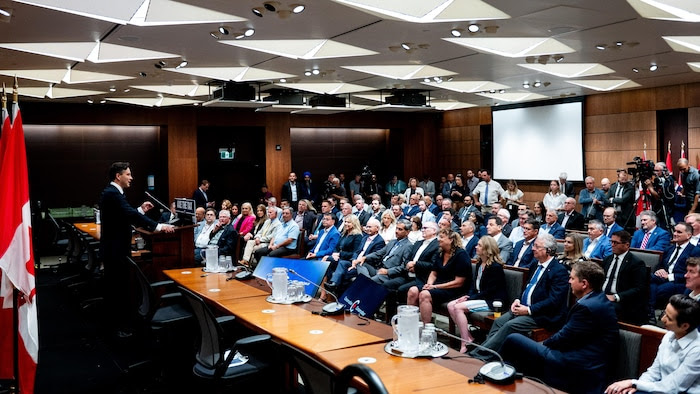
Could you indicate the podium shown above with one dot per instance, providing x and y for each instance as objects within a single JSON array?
[{"x": 169, "y": 250}]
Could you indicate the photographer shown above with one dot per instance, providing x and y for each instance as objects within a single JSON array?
[{"x": 660, "y": 189}]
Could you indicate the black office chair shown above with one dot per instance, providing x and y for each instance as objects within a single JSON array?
[
  {"x": 157, "y": 312},
  {"x": 219, "y": 363},
  {"x": 365, "y": 373},
  {"x": 316, "y": 377}
]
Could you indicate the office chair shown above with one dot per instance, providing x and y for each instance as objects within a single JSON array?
[
  {"x": 365, "y": 373},
  {"x": 315, "y": 376},
  {"x": 218, "y": 363}
]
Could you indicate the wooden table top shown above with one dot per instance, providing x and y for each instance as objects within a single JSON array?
[
  {"x": 406, "y": 375},
  {"x": 214, "y": 286},
  {"x": 93, "y": 229},
  {"x": 297, "y": 326}
]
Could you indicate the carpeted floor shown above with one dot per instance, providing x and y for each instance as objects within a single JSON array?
[{"x": 78, "y": 354}]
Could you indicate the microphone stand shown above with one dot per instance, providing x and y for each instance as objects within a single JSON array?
[
  {"x": 496, "y": 371},
  {"x": 330, "y": 308}
]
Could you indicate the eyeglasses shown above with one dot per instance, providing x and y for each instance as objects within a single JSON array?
[{"x": 617, "y": 242}]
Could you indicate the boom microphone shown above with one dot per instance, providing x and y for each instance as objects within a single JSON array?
[{"x": 496, "y": 371}]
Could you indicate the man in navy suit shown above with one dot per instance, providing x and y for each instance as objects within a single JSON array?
[
  {"x": 596, "y": 246},
  {"x": 621, "y": 197},
  {"x": 200, "y": 195},
  {"x": 522, "y": 255},
  {"x": 626, "y": 281},
  {"x": 575, "y": 359},
  {"x": 469, "y": 239},
  {"x": 650, "y": 236},
  {"x": 327, "y": 238},
  {"x": 224, "y": 235},
  {"x": 346, "y": 270},
  {"x": 550, "y": 225},
  {"x": 115, "y": 240},
  {"x": 543, "y": 303},
  {"x": 611, "y": 227},
  {"x": 412, "y": 208},
  {"x": 169, "y": 215},
  {"x": 566, "y": 187},
  {"x": 668, "y": 277}
]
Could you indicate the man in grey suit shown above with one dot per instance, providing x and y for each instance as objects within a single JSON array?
[
  {"x": 387, "y": 262},
  {"x": 493, "y": 228}
]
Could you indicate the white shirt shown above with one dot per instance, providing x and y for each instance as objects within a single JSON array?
[
  {"x": 121, "y": 191},
  {"x": 495, "y": 191},
  {"x": 676, "y": 368},
  {"x": 203, "y": 238},
  {"x": 612, "y": 276}
]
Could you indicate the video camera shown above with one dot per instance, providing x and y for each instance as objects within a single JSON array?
[{"x": 642, "y": 170}]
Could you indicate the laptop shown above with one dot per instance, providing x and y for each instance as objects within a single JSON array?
[
  {"x": 363, "y": 297},
  {"x": 311, "y": 271}
]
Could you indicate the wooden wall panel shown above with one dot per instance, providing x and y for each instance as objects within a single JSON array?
[
  {"x": 458, "y": 148},
  {"x": 278, "y": 163},
  {"x": 183, "y": 175},
  {"x": 620, "y": 122}
]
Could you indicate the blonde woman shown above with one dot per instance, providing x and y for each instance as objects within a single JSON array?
[
  {"x": 387, "y": 229},
  {"x": 573, "y": 250},
  {"x": 350, "y": 237},
  {"x": 489, "y": 285},
  {"x": 244, "y": 222}
]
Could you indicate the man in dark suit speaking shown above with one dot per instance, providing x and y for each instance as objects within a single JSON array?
[
  {"x": 574, "y": 359},
  {"x": 115, "y": 239}
]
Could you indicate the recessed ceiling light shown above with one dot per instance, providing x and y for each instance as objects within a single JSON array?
[
  {"x": 537, "y": 84},
  {"x": 526, "y": 85},
  {"x": 4, "y": 12},
  {"x": 283, "y": 80},
  {"x": 270, "y": 6},
  {"x": 474, "y": 28},
  {"x": 182, "y": 64},
  {"x": 103, "y": 101},
  {"x": 456, "y": 32},
  {"x": 90, "y": 101},
  {"x": 112, "y": 89},
  {"x": 426, "y": 80},
  {"x": 307, "y": 73},
  {"x": 257, "y": 12},
  {"x": 249, "y": 32},
  {"x": 315, "y": 71},
  {"x": 502, "y": 91},
  {"x": 405, "y": 46},
  {"x": 619, "y": 43},
  {"x": 653, "y": 67},
  {"x": 600, "y": 47},
  {"x": 635, "y": 69},
  {"x": 127, "y": 90},
  {"x": 298, "y": 8},
  {"x": 143, "y": 74},
  {"x": 214, "y": 34},
  {"x": 224, "y": 30},
  {"x": 558, "y": 58}
]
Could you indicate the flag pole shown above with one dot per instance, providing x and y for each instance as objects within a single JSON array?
[{"x": 15, "y": 291}]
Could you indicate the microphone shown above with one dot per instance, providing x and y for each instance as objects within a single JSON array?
[
  {"x": 496, "y": 371},
  {"x": 167, "y": 208},
  {"x": 330, "y": 308},
  {"x": 243, "y": 273}
]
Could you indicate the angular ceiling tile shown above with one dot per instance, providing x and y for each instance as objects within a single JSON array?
[
  {"x": 513, "y": 46},
  {"x": 427, "y": 11},
  {"x": 605, "y": 85},
  {"x": 402, "y": 71},
  {"x": 301, "y": 49},
  {"x": 569, "y": 70}
]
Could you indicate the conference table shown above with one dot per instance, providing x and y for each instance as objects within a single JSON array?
[{"x": 338, "y": 341}]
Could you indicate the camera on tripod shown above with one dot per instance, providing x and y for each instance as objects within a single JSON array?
[{"x": 642, "y": 170}]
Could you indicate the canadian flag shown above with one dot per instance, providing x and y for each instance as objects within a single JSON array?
[{"x": 16, "y": 257}]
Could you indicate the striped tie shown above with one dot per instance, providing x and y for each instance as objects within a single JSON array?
[{"x": 645, "y": 240}]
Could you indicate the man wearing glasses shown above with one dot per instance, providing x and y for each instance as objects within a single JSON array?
[{"x": 626, "y": 282}]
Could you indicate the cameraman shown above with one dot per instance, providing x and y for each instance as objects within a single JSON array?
[{"x": 661, "y": 188}]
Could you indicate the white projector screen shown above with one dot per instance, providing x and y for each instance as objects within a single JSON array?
[{"x": 537, "y": 143}]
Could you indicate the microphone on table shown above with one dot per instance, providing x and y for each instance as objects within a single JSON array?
[
  {"x": 243, "y": 273},
  {"x": 496, "y": 371},
  {"x": 330, "y": 308}
]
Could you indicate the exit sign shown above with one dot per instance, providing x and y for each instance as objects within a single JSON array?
[{"x": 227, "y": 153}]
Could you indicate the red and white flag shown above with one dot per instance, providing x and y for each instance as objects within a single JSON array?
[
  {"x": 669, "y": 160},
  {"x": 680, "y": 181},
  {"x": 16, "y": 253}
]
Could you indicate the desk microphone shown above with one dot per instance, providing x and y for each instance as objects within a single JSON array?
[
  {"x": 330, "y": 308},
  {"x": 496, "y": 371}
]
